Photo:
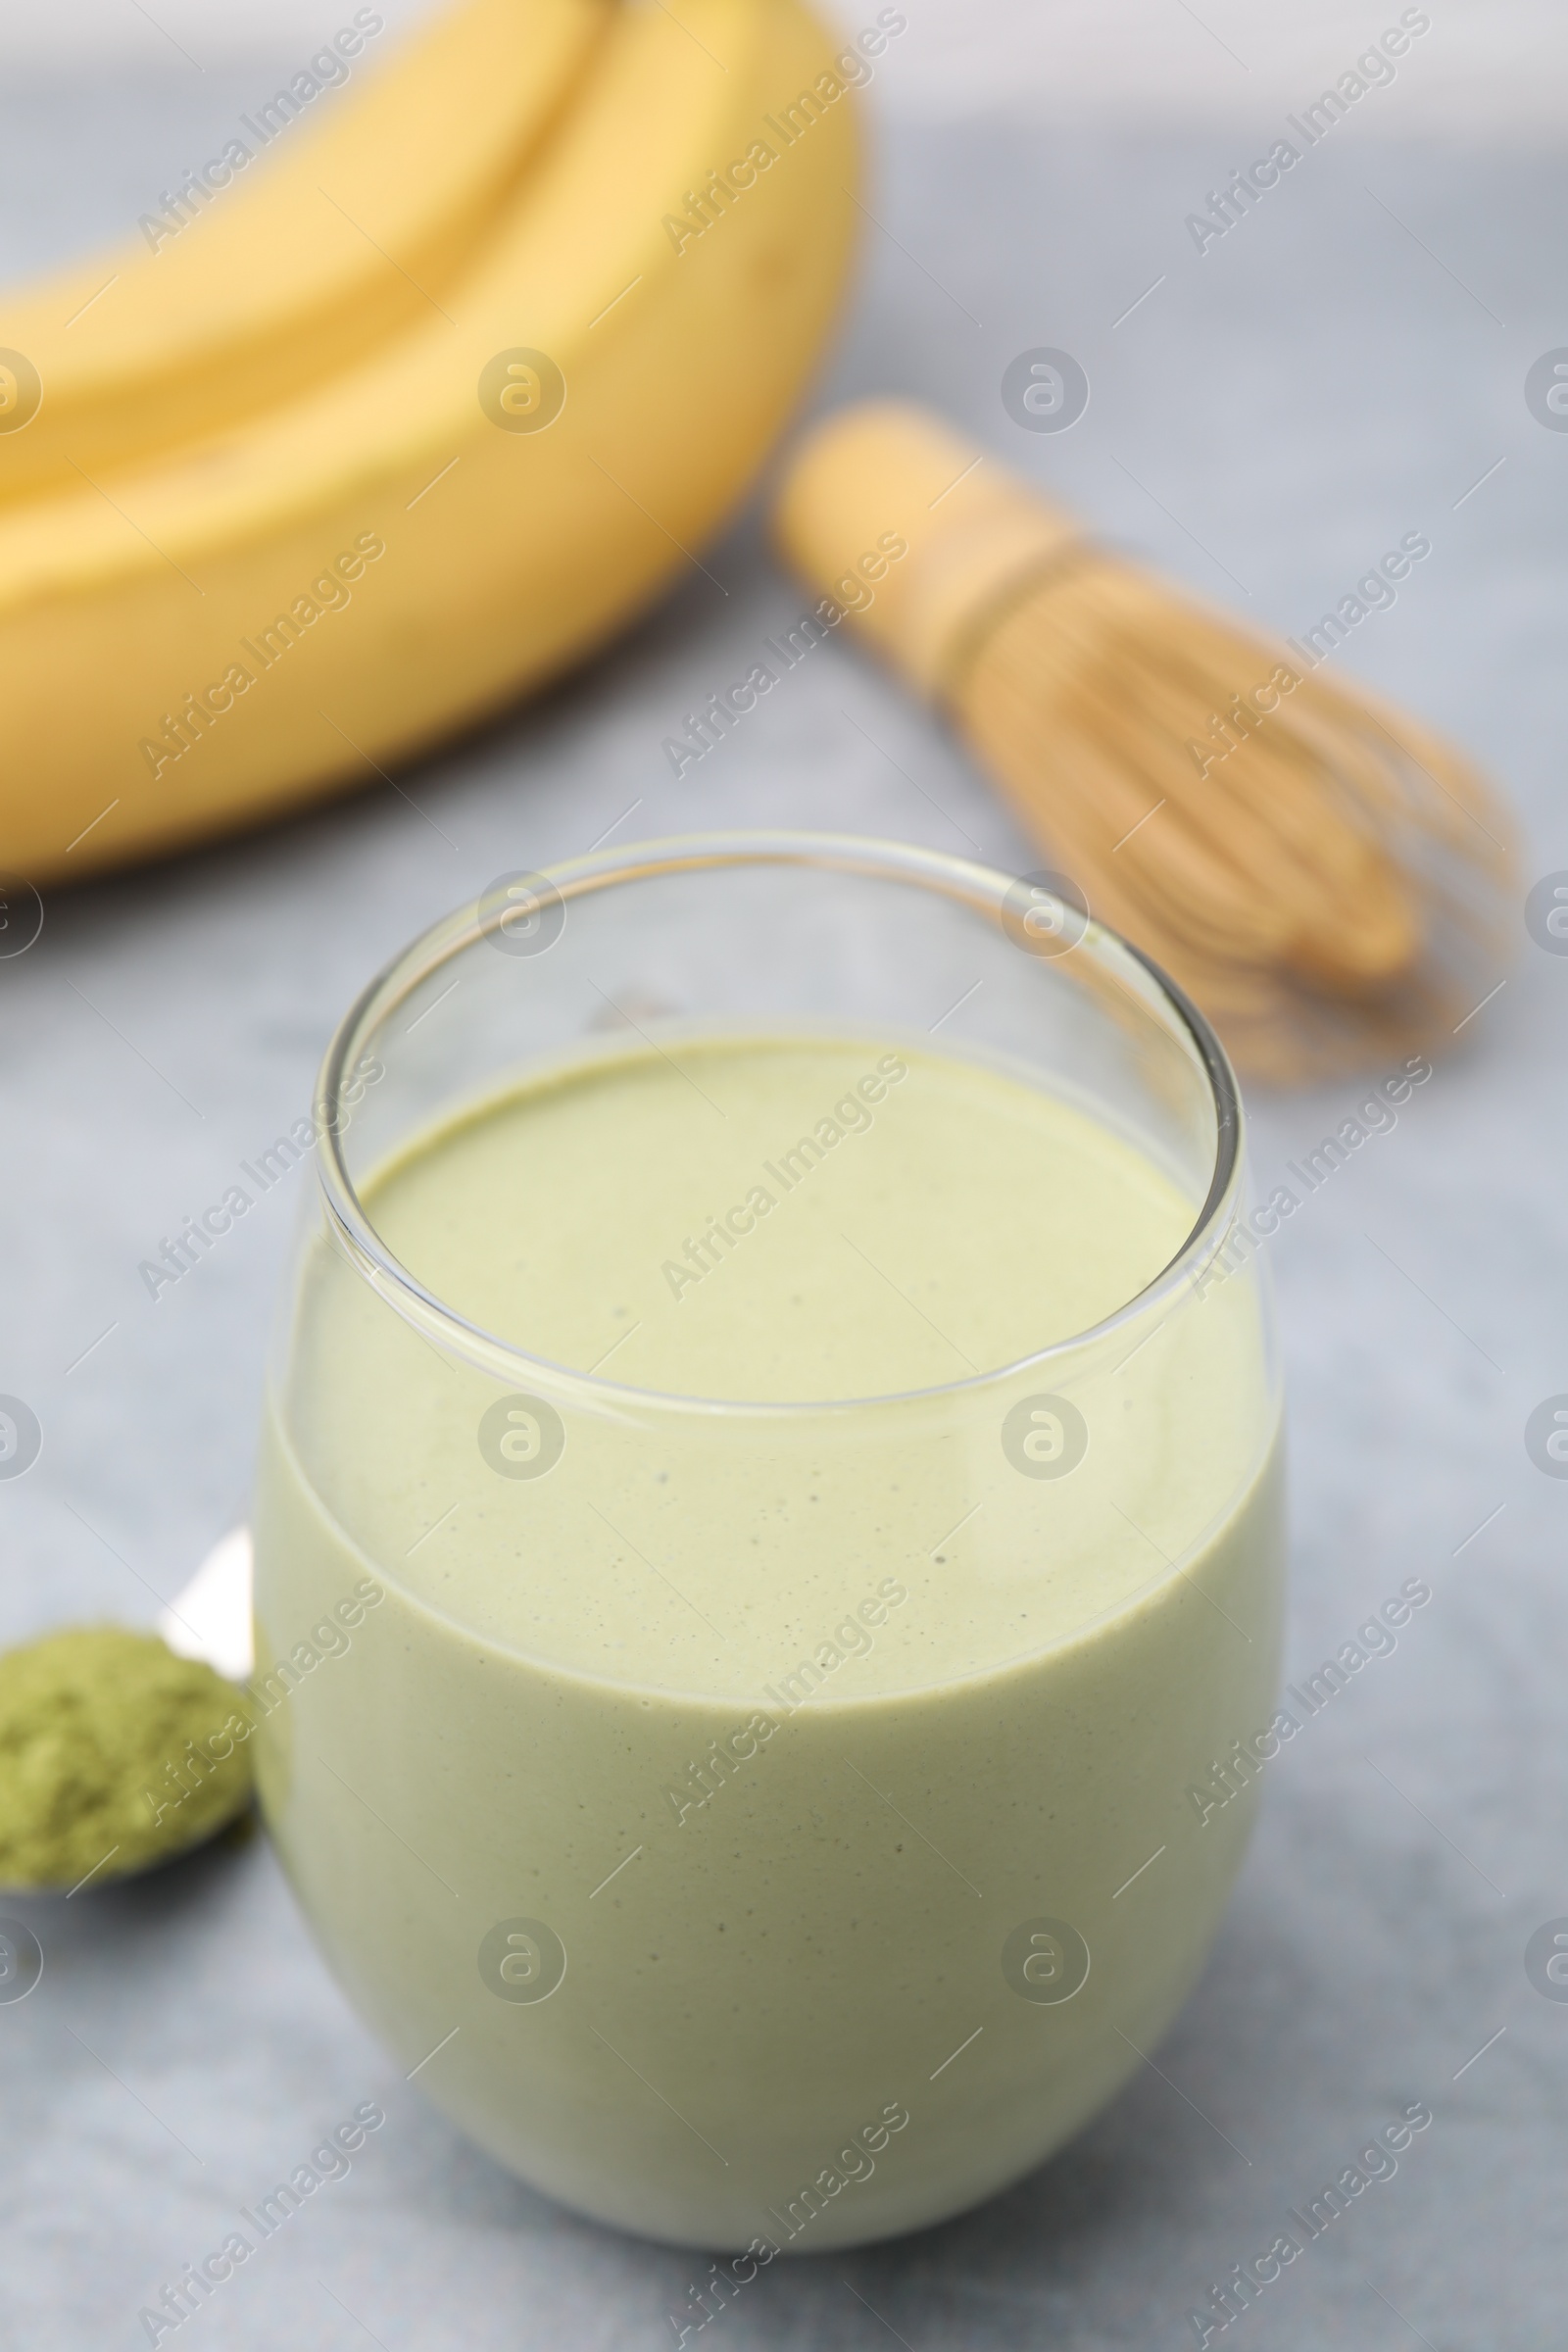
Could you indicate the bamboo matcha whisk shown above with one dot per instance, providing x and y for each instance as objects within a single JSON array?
[{"x": 1328, "y": 879}]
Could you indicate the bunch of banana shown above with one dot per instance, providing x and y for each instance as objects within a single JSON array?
[{"x": 409, "y": 417}]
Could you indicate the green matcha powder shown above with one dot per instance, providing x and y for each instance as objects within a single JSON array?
[{"x": 114, "y": 1754}]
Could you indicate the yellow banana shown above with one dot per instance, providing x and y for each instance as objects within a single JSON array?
[
  {"x": 405, "y": 547},
  {"x": 272, "y": 272}
]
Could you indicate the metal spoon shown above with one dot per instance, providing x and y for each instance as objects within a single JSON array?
[{"x": 210, "y": 1619}]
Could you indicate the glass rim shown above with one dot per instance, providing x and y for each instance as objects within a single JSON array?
[{"x": 982, "y": 888}]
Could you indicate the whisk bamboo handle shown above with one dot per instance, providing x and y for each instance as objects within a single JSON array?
[{"x": 883, "y": 473}]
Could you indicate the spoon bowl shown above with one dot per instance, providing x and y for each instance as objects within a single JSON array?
[{"x": 208, "y": 1624}]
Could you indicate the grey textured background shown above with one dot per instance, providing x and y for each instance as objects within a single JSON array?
[
  {"x": 1281, "y": 410},
  {"x": 1495, "y": 64}
]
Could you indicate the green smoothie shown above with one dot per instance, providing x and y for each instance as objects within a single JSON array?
[{"x": 766, "y": 1693}]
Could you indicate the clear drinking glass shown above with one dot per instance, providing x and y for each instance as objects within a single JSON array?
[{"x": 767, "y": 1824}]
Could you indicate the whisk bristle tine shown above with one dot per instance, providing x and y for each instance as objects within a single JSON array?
[{"x": 1324, "y": 874}]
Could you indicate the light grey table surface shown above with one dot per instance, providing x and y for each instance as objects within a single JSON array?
[{"x": 1341, "y": 369}]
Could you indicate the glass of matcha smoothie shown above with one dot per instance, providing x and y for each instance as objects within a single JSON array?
[{"x": 768, "y": 1536}]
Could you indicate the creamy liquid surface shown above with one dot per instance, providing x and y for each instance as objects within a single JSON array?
[{"x": 912, "y": 1220}]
